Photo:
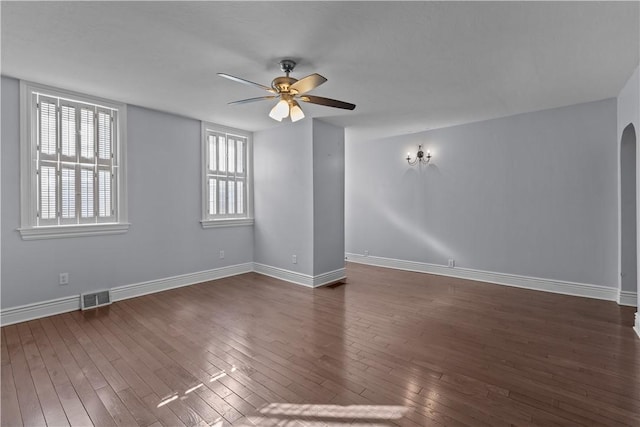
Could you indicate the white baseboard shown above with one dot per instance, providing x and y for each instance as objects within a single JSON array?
[
  {"x": 329, "y": 278},
  {"x": 9, "y": 316},
  {"x": 152, "y": 286},
  {"x": 628, "y": 298},
  {"x": 533, "y": 283},
  {"x": 299, "y": 278},
  {"x": 637, "y": 327},
  {"x": 23, "y": 313}
]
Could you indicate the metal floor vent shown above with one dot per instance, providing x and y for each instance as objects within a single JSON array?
[{"x": 95, "y": 299}]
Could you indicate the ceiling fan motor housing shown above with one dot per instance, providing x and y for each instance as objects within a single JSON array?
[{"x": 282, "y": 84}]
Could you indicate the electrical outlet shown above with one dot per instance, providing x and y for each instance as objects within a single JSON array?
[
  {"x": 452, "y": 263},
  {"x": 221, "y": 254},
  {"x": 366, "y": 253},
  {"x": 294, "y": 259},
  {"x": 64, "y": 278}
]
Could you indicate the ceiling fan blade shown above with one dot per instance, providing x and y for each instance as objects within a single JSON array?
[
  {"x": 260, "y": 98},
  {"x": 327, "y": 102},
  {"x": 305, "y": 84},
  {"x": 246, "y": 82}
]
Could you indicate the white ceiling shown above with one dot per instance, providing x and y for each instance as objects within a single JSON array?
[{"x": 408, "y": 66}]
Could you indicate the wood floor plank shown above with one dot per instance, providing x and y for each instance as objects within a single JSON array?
[
  {"x": 4, "y": 353},
  {"x": 119, "y": 412},
  {"x": 10, "y": 408},
  {"x": 73, "y": 407},
  {"x": 49, "y": 400},
  {"x": 27, "y": 396},
  {"x": 81, "y": 385},
  {"x": 163, "y": 413},
  {"x": 137, "y": 408},
  {"x": 51, "y": 361},
  {"x": 95, "y": 353}
]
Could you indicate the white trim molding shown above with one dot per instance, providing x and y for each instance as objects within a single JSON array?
[
  {"x": 329, "y": 277},
  {"x": 23, "y": 313},
  {"x": 637, "y": 327},
  {"x": 533, "y": 283},
  {"x": 627, "y": 298},
  {"x": 300, "y": 278},
  {"x": 57, "y": 232},
  {"x": 152, "y": 286},
  {"x": 9, "y": 316},
  {"x": 228, "y": 222}
]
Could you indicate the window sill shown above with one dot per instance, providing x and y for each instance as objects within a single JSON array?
[
  {"x": 67, "y": 231},
  {"x": 228, "y": 222}
]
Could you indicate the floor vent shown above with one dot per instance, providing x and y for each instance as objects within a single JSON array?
[{"x": 95, "y": 299}]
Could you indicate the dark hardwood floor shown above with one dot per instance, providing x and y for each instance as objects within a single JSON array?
[{"x": 387, "y": 348}]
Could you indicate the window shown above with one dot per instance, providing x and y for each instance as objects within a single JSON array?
[
  {"x": 227, "y": 177},
  {"x": 72, "y": 168}
]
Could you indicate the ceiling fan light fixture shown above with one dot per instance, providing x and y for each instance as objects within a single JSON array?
[
  {"x": 289, "y": 89},
  {"x": 296, "y": 112},
  {"x": 280, "y": 110}
]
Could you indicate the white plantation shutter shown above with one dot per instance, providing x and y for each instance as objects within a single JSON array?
[
  {"x": 86, "y": 194},
  {"x": 48, "y": 126},
  {"x": 104, "y": 193},
  {"x": 240, "y": 157},
  {"x": 47, "y": 193},
  {"x": 68, "y": 193},
  {"x": 68, "y": 129},
  {"x": 87, "y": 134},
  {"x": 222, "y": 197},
  {"x": 213, "y": 200},
  {"x": 75, "y": 157},
  {"x": 240, "y": 209},
  {"x": 104, "y": 135},
  {"x": 225, "y": 175}
]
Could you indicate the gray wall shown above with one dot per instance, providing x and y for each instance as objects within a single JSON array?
[
  {"x": 533, "y": 194},
  {"x": 328, "y": 197},
  {"x": 164, "y": 197},
  {"x": 283, "y": 196}
]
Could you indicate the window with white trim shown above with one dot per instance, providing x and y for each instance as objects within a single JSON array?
[
  {"x": 226, "y": 175},
  {"x": 72, "y": 174}
]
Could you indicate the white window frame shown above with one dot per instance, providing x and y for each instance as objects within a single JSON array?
[
  {"x": 227, "y": 220},
  {"x": 29, "y": 227}
]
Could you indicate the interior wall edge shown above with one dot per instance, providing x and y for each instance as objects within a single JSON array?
[
  {"x": 300, "y": 278},
  {"x": 627, "y": 298}
]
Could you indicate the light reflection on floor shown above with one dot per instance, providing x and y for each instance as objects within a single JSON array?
[
  {"x": 173, "y": 396},
  {"x": 335, "y": 411},
  {"x": 290, "y": 414},
  {"x": 303, "y": 415}
]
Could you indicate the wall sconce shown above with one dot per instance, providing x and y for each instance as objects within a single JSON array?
[{"x": 420, "y": 157}]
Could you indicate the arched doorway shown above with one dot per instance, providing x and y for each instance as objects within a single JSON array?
[{"x": 628, "y": 219}]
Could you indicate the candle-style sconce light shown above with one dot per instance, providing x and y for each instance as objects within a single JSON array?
[{"x": 420, "y": 157}]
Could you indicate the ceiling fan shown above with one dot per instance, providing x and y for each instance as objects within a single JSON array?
[{"x": 290, "y": 91}]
